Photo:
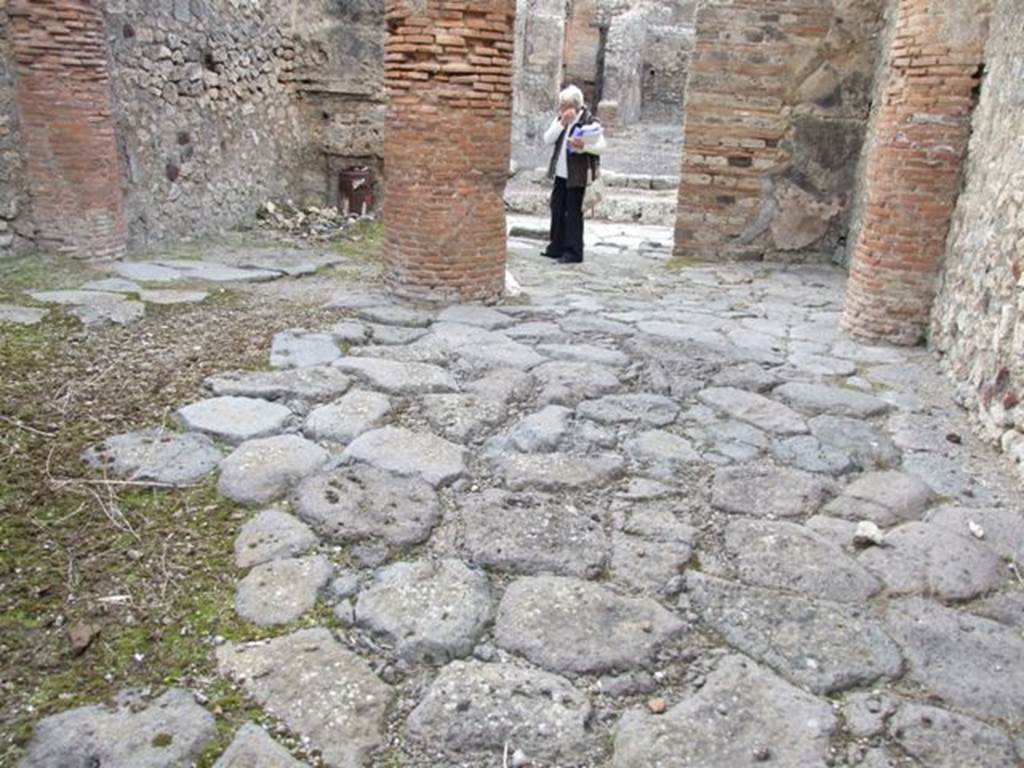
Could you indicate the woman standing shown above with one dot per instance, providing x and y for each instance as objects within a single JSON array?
[{"x": 573, "y": 162}]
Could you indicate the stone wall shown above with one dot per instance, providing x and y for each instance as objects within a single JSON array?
[
  {"x": 539, "y": 40},
  {"x": 776, "y": 110},
  {"x": 667, "y": 48},
  {"x": 978, "y": 320},
  {"x": 582, "y": 47},
  {"x": 15, "y": 231}
]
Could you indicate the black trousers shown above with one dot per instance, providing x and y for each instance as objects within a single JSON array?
[{"x": 566, "y": 222}]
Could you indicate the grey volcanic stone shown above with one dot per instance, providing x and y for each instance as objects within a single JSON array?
[
  {"x": 397, "y": 377},
  {"x": 361, "y": 502},
  {"x": 298, "y": 349},
  {"x": 427, "y": 610},
  {"x": 146, "y": 272},
  {"x": 486, "y": 349},
  {"x": 317, "y": 688},
  {"x": 234, "y": 419},
  {"x": 1003, "y": 527},
  {"x": 946, "y": 476},
  {"x": 790, "y": 557},
  {"x": 749, "y": 376},
  {"x": 215, "y": 272},
  {"x": 661, "y": 454},
  {"x": 642, "y": 410},
  {"x": 755, "y": 409},
  {"x": 807, "y": 452},
  {"x": 651, "y": 548},
  {"x": 971, "y": 663},
  {"x": 119, "y": 313},
  {"x": 407, "y": 453},
  {"x": 392, "y": 314},
  {"x": 155, "y": 455},
  {"x": 348, "y": 417},
  {"x": 314, "y": 384},
  {"x": 761, "y": 490},
  {"x": 172, "y": 730},
  {"x": 112, "y": 285},
  {"x": 941, "y": 739},
  {"x": 261, "y": 470},
  {"x": 585, "y": 353},
  {"x": 10, "y": 313},
  {"x": 474, "y": 314},
  {"x": 395, "y": 334},
  {"x": 732, "y": 440},
  {"x": 822, "y": 365},
  {"x": 171, "y": 297},
  {"x": 819, "y": 645},
  {"x": 568, "y": 625},
  {"x": 556, "y": 471},
  {"x": 271, "y": 535},
  {"x": 567, "y": 384},
  {"x": 885, "y": 498},
  {"x": 76, "y": 298},
  {"x": 866, "y": 713},
  {"x": 819, "y": 398},
  {"x": 253, "y": 748},
  {"x": 472, "y": 709},
  {"x": 427, "y": 350},
  {"x": 868, "y": 448},
  {"x": 932, "y": 560},
  {"x": 483, "y": 406},
  {"x": 350, "y": 332},
  {"x": 279, "y": 591},
  {"x": 740, "y": 712},
  {"x": 532, "y": 534},
  {"x": 539, "y": 432}
]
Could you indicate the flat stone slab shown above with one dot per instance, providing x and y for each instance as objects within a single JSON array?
[
  {"x": 426, "y": 610},
  {"x": 172, "y": 730},
  {"x": 754, "y": 409},
  {"x": 568, "y": 625},
  {"x": 884, "y": 498},
  {"x": 792, "y": 558},
  {"x": 407, "y": 453},
  {"x": 531, "y": 534},
  {"x": 462, "y": 417},
  {"x": 350, "y": 332},
  {"x": 77, "y": 298},
  {"x": 819, "y": 645},
  {"x": 146, "y": 272},
  {"x": 660, "y": 454},
  {"x": 296, "y": 349},
  {"x": 585, "y": 353},
  {"x": 280, "y": 591},
  {"x": 540, "y": 432},
  {"x": 361, "y": 502},
  {"x": 393, "y": 314},
  {"x": 646, "y": 410},
  {"x": 348, "y": 417},
  {"x": 1002, "y": 528},
  {"x": 749, "y": 376},
  {"x": 15, "y": 315},
  {"x": 741, "y": 711},
  {"x": 155, "y": 455},
  {"x": 318, "y": 689},
  {"x": 486, "y": 349},
  {"x": 538, "y": 330},
  {"x": 253, "y": 747},
  {"x": 313, "y": 384},
  {"x": 822, "y": 365},
  {"x": 394, "y": 334},
  {"x": 234, "y": 419},
  {"x": 474, "y": 314},
  {"x": 214, "y": 272},
  {"x": 971, "y": 663},
  {"x": 946, "y": 476},
  {"x": 272, "y": 535},
  {"x": 398, "y": 378},
  {"x": 941, "y": 739},
  {"x": 819, "y": 398},
  {"x": 566, "y": 383},
  {"x": 556, "y": 471},
  {"x": 762, "y": 490},
  {"x": 473, "y": 709},
  {"x": 651, "y": 548},
  {"x": 921, "y": 558},
  {"x": 866, "y": 447},
  {"x": 118, "y": 313},
  {"x": 112, "y": 285},
  {"x": 172, "y": 297},
  {"x": 261, "y": 470}
]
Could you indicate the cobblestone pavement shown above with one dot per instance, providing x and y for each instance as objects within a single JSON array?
[{"x": 636, "y": 517}]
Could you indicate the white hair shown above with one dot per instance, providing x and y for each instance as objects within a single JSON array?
[{"x": 571, "y": 95}]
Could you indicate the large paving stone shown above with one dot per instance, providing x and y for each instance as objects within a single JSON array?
[
  {"x": 348, "y": 417},
  {"x": 540, "y": 330},
  {"x": 394, "y": 334},
  {"x": 483, "y": 405},
  {"x": 540, "y": 432},
  {"x": 473, "y": 709},
  {"x": 118, "y": 313},
  {"x": 817, "y": 644},
  {"x": 660, "y": 454},
  {"x": 78, "y": 298},
  {"x": 755, "y": 409},
  {"x": 392, "y": 314},
  {"x": 314, "y": 384},
  {"x": 922, "y": 431},
  {"x": 298, "y": 349},
  {"x": 171, "y": 731},
  {"x": 730, "y": 440},
  {"x": 819, "y": 398},
  {"x": 234, "y": 419},
  {"x": 252, "y": 747},
  {"x": 397, "y": 377},
  {"x": 868, "y": 448},
  {"x": 486, "y": 349},
  {"x": 317, "y": 688},
  {"x": 762, "y": 490},
  {"x": 155, "y": 455},
  {"x": 884, "y": 498},
  {"x": 650, "y": 549},
  {"x": 427, "y": 610},
  {"x": 280, "y": 591},
  {"x": 742, "y": 711},
  {"x": 922, "y": 558},
  {"x": 427, "y": 350},
  {"x": 146, "y": 272},
  {"x": 973, "y": 664},
  {"x": 409, "y": 454},
  {"x": 565, "y": 383},
  {"x": 271, "y": 535},
  {"x": 808, "y": 453},
  {"x": 261, "y": 470},
  {"x": 647, "y": 410},
  {"x": 947, "y": 476},
  {"x": 749, "y": 376},
  {"x": 360, "y": 502},
  {"x": 15, "y": 315},
  {"x": 474, "y": 314},
  {"x": 941, "y": 739},
  {"x": 532, "y": 534},
  {"x": 585, "y": 353},
  {"x": 1002, "y": 528},
  {"x": 822, "y": 365},
  {"x": 215, "y": 272},
  {"x": 556, "y": 471},
  {"x": 172, "y": 297},
  {"x": 568, "y": 625}
]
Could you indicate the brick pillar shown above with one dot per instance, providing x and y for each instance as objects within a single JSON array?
[
  {"x": 914, "y": 169},
  {"x": 448, "y": 71},
  {"x": 67, "y": 126}
]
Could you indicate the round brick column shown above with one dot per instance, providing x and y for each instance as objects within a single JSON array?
[
  {"x": 914, "y": 170},
  {"x": 67, "y": 126},
  {"x": 448, "y": 70}
]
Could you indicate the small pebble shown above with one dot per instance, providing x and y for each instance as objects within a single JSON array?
[{"x": 657, "y": 706}]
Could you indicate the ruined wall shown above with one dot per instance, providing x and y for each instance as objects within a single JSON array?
[
  {"x": 582, "y": 45},
  {"x": 978, "y": 319},
  {"x": 776, "y": 110},
  {"x": 14, "y": 226},
  {"x": 539, "y": 39},
  {"x": 667, "y": 48}
]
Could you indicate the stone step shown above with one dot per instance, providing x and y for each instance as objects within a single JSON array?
[
  {"x": 643, "y": 181},
  {"x": 621, "y": 205}
]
